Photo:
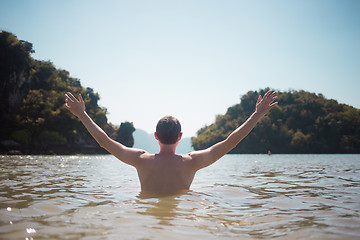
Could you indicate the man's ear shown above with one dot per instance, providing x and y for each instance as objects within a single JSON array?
[
  {"x": 179, "y": 136},
  {"x": 156, "y": 137}
]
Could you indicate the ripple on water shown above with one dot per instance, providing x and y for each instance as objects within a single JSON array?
[{"x": 240, "y": 197}]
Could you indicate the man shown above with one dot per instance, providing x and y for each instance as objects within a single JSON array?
[{"x": 167, "y": 171}]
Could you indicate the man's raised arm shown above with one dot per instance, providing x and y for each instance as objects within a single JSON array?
[
  {"x": 128, "y": 155},
  {"x": 204, "y": 158}
]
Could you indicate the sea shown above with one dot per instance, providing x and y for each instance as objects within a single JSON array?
[{"x": 239, "y": 197}]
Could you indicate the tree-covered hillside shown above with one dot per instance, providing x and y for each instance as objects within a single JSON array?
[
  {"x": 303, "y": 122},
  {"x": 33, "y": 117}
]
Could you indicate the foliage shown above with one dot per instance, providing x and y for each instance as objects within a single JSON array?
[
  {"x": 22, "y": 136},
  {"x": 32, "y": 100},
  {"x": 124, "y": 134},
  {"x": 303, "y": 122}
]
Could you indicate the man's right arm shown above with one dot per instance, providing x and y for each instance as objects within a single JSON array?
[
  {"x": 127, "y": 155},
  {"x": 131, "y": 156},
  {"x": 204, "y": 158}
]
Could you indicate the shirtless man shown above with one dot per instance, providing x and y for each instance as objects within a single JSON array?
[{"x": 167, "y": 171}]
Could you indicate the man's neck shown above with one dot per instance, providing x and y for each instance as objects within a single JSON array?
[{"x": 167, "y": 148}]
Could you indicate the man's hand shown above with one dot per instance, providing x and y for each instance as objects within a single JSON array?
[
  {"x": 264, "y": 104},
  {"x": 77, "y": 107}
]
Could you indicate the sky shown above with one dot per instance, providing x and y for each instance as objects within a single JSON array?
[{"x": 193, "y": 58}]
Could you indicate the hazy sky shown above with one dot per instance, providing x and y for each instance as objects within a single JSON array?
[{"x": 193, "y": 59}]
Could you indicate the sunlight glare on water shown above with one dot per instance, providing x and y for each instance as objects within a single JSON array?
[{"x": 239, "y": 197}]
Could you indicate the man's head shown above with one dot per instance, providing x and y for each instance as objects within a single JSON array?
[{"x": 168, "y": 130}]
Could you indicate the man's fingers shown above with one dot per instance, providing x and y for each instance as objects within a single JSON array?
[
  {"x": 267, "y": 94},
  {"x": 273, "y": 104},
  {"x": 259, "y": 99},
  {"x": 274, "y": 98},
  {"x": 273, "y": 95},
  {"x": 72, "y": 97},
  {"x": 80, "y": 98},
  {"x": 68, "y": 98}
]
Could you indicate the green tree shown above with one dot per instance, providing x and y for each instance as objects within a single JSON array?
[
  {"x": 303, "y": 122},
  {"x": 32, "y": 102},
  {"x": 124, "y": 134}
]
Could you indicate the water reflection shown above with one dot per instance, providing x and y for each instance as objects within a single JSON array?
[{"x": 161, "y": 206}]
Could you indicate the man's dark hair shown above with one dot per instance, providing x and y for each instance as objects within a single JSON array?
[{"x": 168, "y": 129}]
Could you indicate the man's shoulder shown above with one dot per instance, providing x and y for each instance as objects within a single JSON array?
[
  {"x": 196, "y": 154},
  {"x": 146, "y": 155}
]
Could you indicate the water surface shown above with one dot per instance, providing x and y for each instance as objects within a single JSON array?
[{"x": 239, "y": 197}]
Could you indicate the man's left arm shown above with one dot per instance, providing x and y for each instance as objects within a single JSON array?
[{"x": 204, "y": 158}]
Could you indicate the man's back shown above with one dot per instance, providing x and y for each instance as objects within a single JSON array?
[{"x": 165, "y": 172}]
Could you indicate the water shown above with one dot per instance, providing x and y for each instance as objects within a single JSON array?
[{"x": 239, "y": 197}]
